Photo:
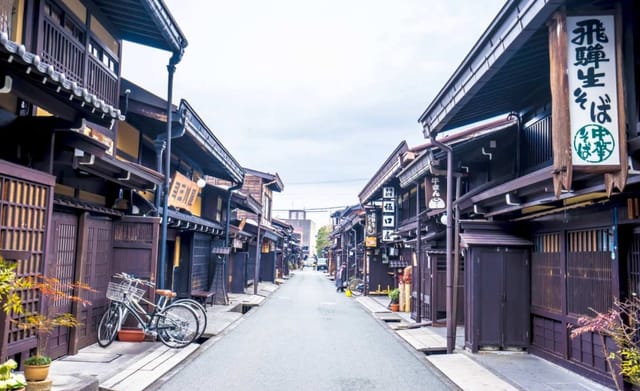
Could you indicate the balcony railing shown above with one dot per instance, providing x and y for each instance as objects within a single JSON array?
[
  {"x": 101, "y": 82},
  {"x": 62, "y": 51},
  {"x": 67, "y": 54}
]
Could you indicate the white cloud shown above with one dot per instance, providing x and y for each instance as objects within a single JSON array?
[{"x": 315, "y": 91}]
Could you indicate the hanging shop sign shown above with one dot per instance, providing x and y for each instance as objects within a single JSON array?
[
  {"x": 593, "y": 93},
  {"x": 183, "y": 192},
  {"x": 371, "y": 228},
  {"x": 435, "y": 197},
  {"x": 388, "y": 213}
]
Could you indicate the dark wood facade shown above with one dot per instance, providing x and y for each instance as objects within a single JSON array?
[
  {"x": 579, "y": 223},
  {"x": 65, "y": 195}
]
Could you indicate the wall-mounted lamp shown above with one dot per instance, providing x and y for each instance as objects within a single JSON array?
[{"x": 201, "y": 182}]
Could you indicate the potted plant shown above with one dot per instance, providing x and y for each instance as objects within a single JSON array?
[
  {"x": 10, "y": 381},
  {"x": 394, "y": 296},
  {"x": 36, "y": 367}
]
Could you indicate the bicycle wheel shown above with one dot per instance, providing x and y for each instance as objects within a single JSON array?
[
  {"x": 177, "y": 325},
  {"x": 109, "y": 325},
  {"x": 356, "y": 286},
  {"x": 200, "y": 311}
]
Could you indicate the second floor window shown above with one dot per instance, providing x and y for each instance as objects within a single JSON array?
[{"x": 60, "y": 18}]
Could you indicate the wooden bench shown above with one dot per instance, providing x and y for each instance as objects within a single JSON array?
[{"x": 203, "y": 297}]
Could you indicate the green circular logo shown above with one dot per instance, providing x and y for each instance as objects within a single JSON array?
[{"x": 593, "y": 143}]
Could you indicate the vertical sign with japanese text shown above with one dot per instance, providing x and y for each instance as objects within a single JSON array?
[
  {"x": 388, "y": 213},
  {"x": 371, "y": 227},
  {"x": 592, "y": 76},
  {"x": 434, "y": 195}
]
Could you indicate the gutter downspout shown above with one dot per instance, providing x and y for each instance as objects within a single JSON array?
[
  {"x": 451, "y": 327},
  {"x": 171, "y": 68},
  {"x": 256, "y": 269},
  {"x": 160, "y": 143},
  {"x": 416, "y": 273},
  {"x": 225, "y": 260}
]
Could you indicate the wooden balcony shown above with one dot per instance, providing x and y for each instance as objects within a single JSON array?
[{"x": 65, "y": 47}]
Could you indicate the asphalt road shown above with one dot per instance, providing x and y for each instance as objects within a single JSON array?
[{"x": 306, "y": 337}]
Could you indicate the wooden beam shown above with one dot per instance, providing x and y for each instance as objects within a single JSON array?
[{"x": 560, "y": 126}]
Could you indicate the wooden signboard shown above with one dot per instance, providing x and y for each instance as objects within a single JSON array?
[{"x": 183, "y": 192}]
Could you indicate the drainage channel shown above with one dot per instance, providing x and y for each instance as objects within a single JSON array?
[{"x": 242, "y": 308}]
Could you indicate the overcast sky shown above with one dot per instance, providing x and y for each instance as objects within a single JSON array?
[{"x": 320, "y": 92}]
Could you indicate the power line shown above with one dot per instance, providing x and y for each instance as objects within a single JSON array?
[
  {"x": 320, "y": 209},
  {"x": 327, "y": 181}
]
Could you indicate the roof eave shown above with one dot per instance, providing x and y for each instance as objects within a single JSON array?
[{"x": 516, "y": 21}]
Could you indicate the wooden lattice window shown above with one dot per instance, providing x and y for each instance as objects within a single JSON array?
[
  {"x": 546, "y": 272},
  {"x": 634, "y": 264},
  {"x": 23, "y": 215},
  {"x": 589, "y": 271}
]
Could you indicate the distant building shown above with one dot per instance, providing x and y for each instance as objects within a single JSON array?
[{"x": 306, "y": 228}]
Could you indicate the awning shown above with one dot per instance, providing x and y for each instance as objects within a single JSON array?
[
  {"x": 266, "y": 231},
  {"x": 271, "y": 235},
  {"x": 124, "y": 173},
  {"x": 492, "y": 238},
  {"x": 82, "y": 205},
  {"x": 19, "y": 64},
  {"x": 245, "y": 202},
  {"x": 187, "y": 222},
  {"x": 422, "y": 165}
]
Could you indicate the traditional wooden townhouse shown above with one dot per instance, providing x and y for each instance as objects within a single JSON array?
[
  {"x": 388, "y": 217},
  {"x": 347, "y": 248},
  {"x": 63, "y": 188},
  {"x": 285, "y": 248},
  {"x": 198, "y": 239},
  {"x": 546, "y": 202},
  {"x": 261, "y": 250},
  {"x": 237, "y": 269},
  {"x": 423, "y": 193}
]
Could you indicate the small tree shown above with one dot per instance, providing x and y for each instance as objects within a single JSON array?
[
  {"x": 43, "y": 324},
  {"x": 322, "y": 239},
  {"x": 620, "y": 324},
  {"x": 51, "y": 288},
  {"x": 9, "y": 282}
]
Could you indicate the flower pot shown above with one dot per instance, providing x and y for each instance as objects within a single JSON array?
[
  {"x": 36, "y": 372},
  {"x": 131, "y": 335},
  {"x": 395, "y": 307}
]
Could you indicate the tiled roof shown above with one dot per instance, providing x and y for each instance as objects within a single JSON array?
[{"x": 50, "y": 76}]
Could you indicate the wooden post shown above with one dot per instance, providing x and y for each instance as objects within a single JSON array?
[{"x": 562, "y": 166}]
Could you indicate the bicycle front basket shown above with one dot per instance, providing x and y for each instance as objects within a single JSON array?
[{"x": 124, "y": 292}]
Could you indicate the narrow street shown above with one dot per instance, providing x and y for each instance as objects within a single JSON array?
[{"x": 306, "y": 337}]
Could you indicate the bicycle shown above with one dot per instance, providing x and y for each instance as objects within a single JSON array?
[
  {"x": 195, "y": 305},
  {"x": 356, "y": 286},
  {"x": 175, "y": 324}
]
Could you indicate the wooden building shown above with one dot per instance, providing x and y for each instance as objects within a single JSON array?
[
  {"x": 63, "y": 204},
  {"x": 197, "y": 240},
  {"x": 262, "y": 250},
  {"x": 546, "y": 201},
  {"x": 385, "y": 219}
]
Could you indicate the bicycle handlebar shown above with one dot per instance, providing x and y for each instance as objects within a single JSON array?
[{"x": 131, "y": 278}]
